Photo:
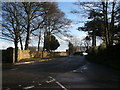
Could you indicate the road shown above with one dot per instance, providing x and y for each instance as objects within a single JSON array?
[{"x": 65, "y": 73}]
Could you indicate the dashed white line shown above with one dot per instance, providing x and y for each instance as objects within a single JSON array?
[{"x": 29, "y": 87}]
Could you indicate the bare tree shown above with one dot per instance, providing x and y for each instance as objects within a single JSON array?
[
  {"x": 11, "y": 24},
  {"x": 54, "y": 20},
  {"x": 31, "y": 14}
]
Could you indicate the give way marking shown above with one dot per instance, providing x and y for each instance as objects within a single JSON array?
[{"x": 58, "y": 83}]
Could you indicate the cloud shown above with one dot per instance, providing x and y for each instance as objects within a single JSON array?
[
  {"x": 6, "y": 44},
  {"x": 63, "y": 42}
]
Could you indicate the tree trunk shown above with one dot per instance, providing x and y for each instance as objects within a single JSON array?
[
  {"x": 28, "y": 32},
  {"x": 112, "y": 23},
  {"x": 107, "y": 29},
  {"x": 93, "y": 38},
  {"x": 21, "y": 43},
  {"x": 27, "y": 40},
  {"x": 28, "y": 11},
  {"x": 39, "y": 44},
  {"x": 16, "y": 49},
  {"x": 48, "y": 36},
  {"x": 39, "y": 39},
  {"x": 105, "y": 6},
  {"x": 44, "y": 41}
]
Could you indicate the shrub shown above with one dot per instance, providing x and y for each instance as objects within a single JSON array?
[
  {"x": 102, "y": 46},
  {"x": 94, "y": 50},
  {"x": 109, "y": 56}
]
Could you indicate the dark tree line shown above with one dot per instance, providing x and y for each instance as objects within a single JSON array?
[{"x": 104, "y": 21}]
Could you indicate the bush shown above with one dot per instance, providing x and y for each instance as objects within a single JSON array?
[
  {"x": 93, "y": 50},
  {"x": 109, "y": 56},
  {"x": 102, "y": 46}
]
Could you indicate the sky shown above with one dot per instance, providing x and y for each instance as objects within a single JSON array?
[{"x": 66, "y": 7}]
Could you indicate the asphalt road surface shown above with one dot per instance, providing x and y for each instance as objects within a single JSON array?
[{"x": 60, "y": 73}]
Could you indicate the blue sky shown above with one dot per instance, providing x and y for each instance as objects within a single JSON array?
[{"x": 66, "y": 7}]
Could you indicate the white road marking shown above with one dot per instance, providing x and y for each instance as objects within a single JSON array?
[
  {"x": 39, "y": 84},
  {"x": 74, "y": 71},
  {"x": 19, "y": 85},
  {"x": 50, "y": 81},
  {"x": 61, "y": 85},
  {"x": 50, "y": 77},
  {"x": 29, "y": 87},
  {"x": 53, "y": 79},
  {"x": 14, "y": 69}
]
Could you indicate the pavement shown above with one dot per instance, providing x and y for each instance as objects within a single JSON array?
[{"x": 60, "y": 73}]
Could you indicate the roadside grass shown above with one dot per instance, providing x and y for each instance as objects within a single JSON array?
[
  {"x": 40, "y": 59},
  {"x": 29, "y": 59}
]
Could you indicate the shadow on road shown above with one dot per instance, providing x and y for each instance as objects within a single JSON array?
[{"x": 72, "y": 72}]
